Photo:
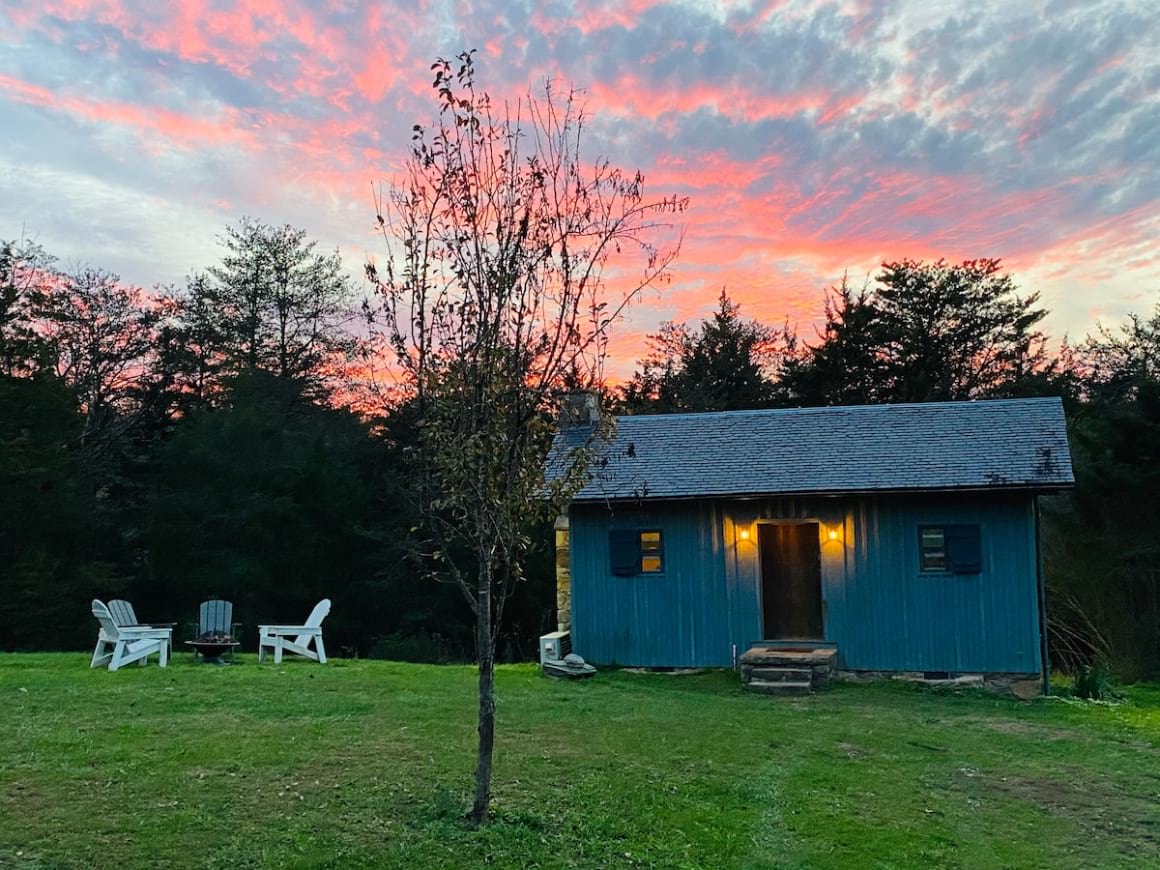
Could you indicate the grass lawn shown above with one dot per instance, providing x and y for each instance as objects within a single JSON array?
[{"x": 368, "y": 764}]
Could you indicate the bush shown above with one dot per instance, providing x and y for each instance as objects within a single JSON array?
[
  {"x": 1094, "y": 683},
  {"x": 416, "y": 647}
]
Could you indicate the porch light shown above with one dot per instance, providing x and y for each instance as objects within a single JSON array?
[
  {"x": 833, "y": 534},
  {"x": 744, "y": 535}
]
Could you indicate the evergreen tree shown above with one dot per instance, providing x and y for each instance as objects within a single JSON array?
[
  {"x": 727, "y": 364},
  {"x": 26, "y": 273},
  {"x": 955, "y": 331},
  {"x": 274, "y": 303},
  {"x": 190, "y": 359},
  {"x": 846, "y": 367},
  {"x": 1102, "y": 559},
  {"x": 926, "y": 332},
  {"x": 55, "y": 547},
  {"x": 271, "y": 500}
]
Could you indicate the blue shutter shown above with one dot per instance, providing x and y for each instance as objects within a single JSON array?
[
  {"x": 624, "y": 549},
  {"x": 964, "y": 549}
]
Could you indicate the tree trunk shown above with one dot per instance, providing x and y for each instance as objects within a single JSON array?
[{"x": 486, "y": 652}]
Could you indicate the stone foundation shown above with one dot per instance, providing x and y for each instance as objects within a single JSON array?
[{"x": 1024, "y": 686}]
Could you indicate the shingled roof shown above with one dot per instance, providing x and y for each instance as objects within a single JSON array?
[{"x": 1002, "y": 444}]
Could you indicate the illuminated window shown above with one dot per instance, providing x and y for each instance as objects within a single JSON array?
[
  {"x": 634, "y": 552},
  {"x": 651, "y": 556}
]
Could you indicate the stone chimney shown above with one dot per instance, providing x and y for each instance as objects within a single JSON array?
[
  {"x": 563, "y": 577},
  {"x": 581, "y": 408}
]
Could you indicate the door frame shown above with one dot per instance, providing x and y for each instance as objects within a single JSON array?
[{"x": 793, "y": 521}]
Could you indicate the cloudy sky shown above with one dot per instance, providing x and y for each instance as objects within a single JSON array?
[{"x": 813, "y": 137}]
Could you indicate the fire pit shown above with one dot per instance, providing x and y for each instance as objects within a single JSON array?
[{"x": 212, "y": 647}]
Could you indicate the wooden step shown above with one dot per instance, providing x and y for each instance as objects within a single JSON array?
[
  {"x": 782, "y": 675},
  {"x": 779, "y": 687}
]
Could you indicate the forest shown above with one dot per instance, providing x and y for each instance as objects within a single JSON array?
[{"x": 238, "y": 437}]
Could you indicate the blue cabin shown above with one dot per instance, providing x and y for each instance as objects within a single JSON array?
[{"x": 901, "y": 537}]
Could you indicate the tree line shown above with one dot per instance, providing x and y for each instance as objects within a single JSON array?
[{"x": 176, "y": 444}]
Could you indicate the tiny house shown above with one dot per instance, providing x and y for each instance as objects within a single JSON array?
[{"x": 895, "y": 538}]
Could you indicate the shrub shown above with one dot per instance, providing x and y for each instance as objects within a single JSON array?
[
  {"x": 1094, "y": 682},
  {"x": 417, "y": 647}
]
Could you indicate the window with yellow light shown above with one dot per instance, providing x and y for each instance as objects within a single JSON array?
[{"x": 651, "y": 552}]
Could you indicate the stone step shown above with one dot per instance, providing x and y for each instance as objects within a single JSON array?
[
  {"x": 782, "y": 675},
  {"x": 825, "y": 658},
  {"x": 780, "y": 687}
]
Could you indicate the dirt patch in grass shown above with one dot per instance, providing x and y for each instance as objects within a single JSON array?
[
  {"x": 18, "y": 797},
  {"x": 1098, "y": 809}
]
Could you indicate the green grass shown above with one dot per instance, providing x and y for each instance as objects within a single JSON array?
[{"x": 368, "y": 764}]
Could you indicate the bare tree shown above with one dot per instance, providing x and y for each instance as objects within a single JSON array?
[
  {"x": 102, "y": 339},
  {"x": 494, "y": 295}
]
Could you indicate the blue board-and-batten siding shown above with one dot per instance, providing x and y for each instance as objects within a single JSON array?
[
  {"x": 880, "y": 610},
  {"x": 679, "y": 618}
]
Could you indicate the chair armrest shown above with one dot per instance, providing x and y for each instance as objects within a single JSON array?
[
  {"x": 287, "y": 629},
  {"x": 141, "y": 633}
]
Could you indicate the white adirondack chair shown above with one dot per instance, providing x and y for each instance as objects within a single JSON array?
[
  {"x": 123, "y": 613},
  {"x": 295, "y": 639},
  {"x": 122, "y": 645},
  {"x": 126, "y": 617},
  {"x": 217, "y": 617}
]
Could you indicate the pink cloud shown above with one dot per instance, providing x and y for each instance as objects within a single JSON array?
[
  {"x": 632, "y": 96},
  {"x": 328, "y": 93},
  {"x": 594, "y": 17},
  {"x": 180, "y": 130}
]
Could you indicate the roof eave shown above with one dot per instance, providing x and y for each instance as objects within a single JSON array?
[{"x": 1037, "y": 488}]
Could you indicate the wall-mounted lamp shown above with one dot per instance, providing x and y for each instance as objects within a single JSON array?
[
  {"x": 832, "y": 534},
  {"x": 744, "y": 534}
]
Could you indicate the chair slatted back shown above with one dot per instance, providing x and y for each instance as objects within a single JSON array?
[
  {"x": 105, "y": 618},
  {"x": 121, "y": 612},
  {"x": 318, "y": 613},
  {"x": 215, "y": 616}
]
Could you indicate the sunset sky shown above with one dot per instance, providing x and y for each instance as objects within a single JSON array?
[{"x": 812, "y": 137}]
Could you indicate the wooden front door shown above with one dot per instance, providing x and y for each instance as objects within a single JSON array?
[{"x": 791, "y": 581}]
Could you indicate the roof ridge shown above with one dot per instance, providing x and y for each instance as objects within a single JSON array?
[{"x": 875, "y": 408}]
